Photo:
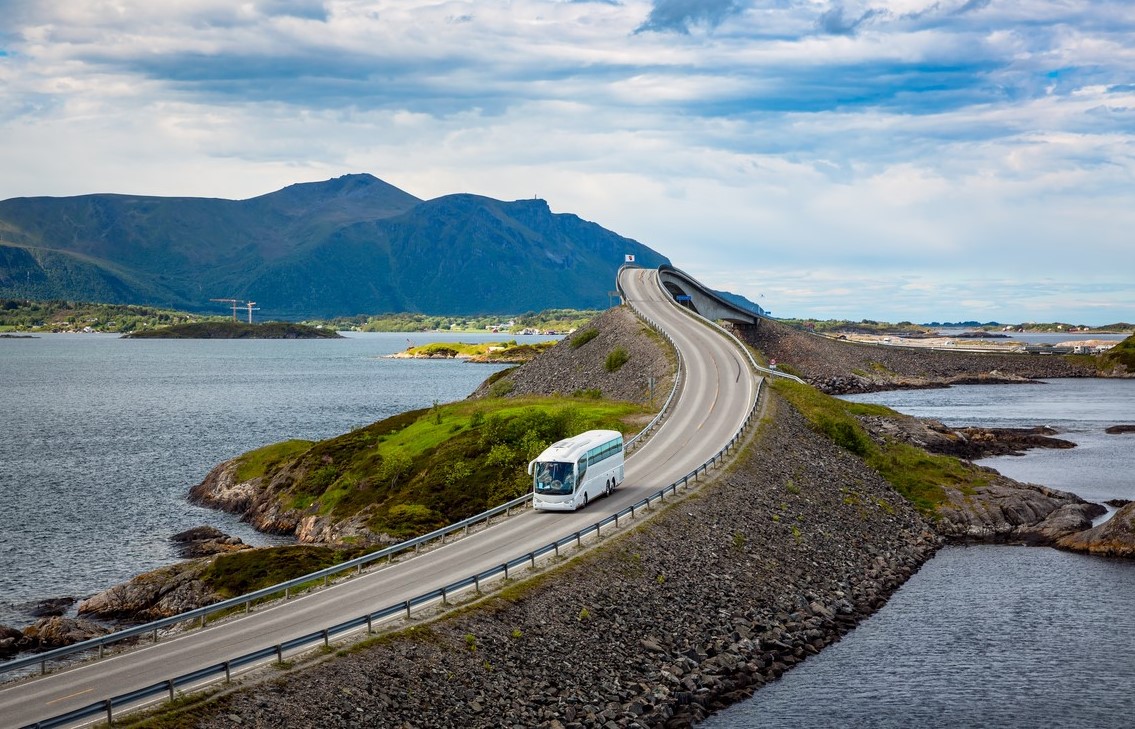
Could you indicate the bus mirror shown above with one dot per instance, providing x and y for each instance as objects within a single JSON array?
[{"x": 531, "y": 465}]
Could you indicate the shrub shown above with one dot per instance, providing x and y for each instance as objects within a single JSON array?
[
  {"x": 581, "y": 338},
  {"x": 616, "y": 359}
]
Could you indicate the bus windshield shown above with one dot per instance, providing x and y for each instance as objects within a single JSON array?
[{"x": 555, "y": 478}]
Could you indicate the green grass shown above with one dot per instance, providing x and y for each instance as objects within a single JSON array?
[
  {"x": 420, "y": 470},
  {"x": 921, "y": 477},
  {"x": 239, "y": 573},
  {"x": 510, "y": 350},
  {"x": 258, "y": 462}
]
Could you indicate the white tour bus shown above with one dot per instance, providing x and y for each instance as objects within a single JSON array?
[{"x": 575, "y": 470}]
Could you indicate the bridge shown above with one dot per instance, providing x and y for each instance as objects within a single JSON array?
[
  {"x": 713, "y": 402},
  {"x": 691, "y": 293}
]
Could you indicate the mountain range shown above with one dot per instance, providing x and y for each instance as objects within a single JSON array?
[{"x": 347, "y": 246}]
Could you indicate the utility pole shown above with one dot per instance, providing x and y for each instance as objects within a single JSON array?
[{"x": 251, "y": 305}]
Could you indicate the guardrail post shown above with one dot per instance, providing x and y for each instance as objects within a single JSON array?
[
  {"x": 557, "y": 546},
  {"x": 326, "y": 638},
  {"x": 578, "y": 539},
  {"x": 444, "y": 596},
  {"x": 358, "y": 569},
  {"x": 477, "y": 583},
  {"x": 100, "y": 651},
  {"x": 506, "y": 570},
  {"x": 532, "y": 557},
  {"x": 279, "y": 653},
  {"x": 202, "y": 621},
  {"x": 169, "y": 683},
  {"x": 616, "y": 520},
  {"x": 109, "y": 715},
  {"x": 247, "y": 606},
  {"x": 287, "y": 592},
  {"x": 407, "y": 609},
  {"x": 155, "y": 635},
  {"x": 228, "y": 673},
  {"x": 43, "y": 668},
  {"x": 370, "y": 625}
]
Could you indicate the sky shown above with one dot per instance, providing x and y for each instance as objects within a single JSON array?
[{"x": 917, "y": 160}]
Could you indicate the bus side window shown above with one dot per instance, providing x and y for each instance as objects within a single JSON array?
[{"x": 581, "y": 468}]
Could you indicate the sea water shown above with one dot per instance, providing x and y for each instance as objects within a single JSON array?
[{"x": 102, "y": 437}]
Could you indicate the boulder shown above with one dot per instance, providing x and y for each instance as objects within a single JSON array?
[
  {"x": 204, "y": 541},
  {"x": 51, "y": 607},
  {"x": 12, "y": 641},
  {"x": 56, "y": 632},
  {"x": 1010, "y": 511},
  {"x": 1114, "y": 538},
  {"x": 157, "y": 594}
]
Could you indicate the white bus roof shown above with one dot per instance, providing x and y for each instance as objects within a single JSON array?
[{"x": 570, "y": 449}]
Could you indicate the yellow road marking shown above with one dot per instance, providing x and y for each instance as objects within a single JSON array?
[{"x": 64, "y": 698}]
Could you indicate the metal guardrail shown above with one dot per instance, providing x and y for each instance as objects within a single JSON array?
[{"x": 169, "y": 686}]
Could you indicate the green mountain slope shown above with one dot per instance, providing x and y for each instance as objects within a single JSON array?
[{"x": 350, "y": 245}]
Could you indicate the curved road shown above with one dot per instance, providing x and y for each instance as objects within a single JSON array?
[{"x": 715, "y": 398}]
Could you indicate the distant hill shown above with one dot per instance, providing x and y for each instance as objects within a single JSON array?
[{"x": 350, "y": 245}]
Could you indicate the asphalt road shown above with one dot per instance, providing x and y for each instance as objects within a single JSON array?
[{"x": 715, "y": 398}]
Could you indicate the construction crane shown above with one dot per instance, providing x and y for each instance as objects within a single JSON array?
[
  {"x": 236, "y": 304},
  {"x": 251, "y": 306}
]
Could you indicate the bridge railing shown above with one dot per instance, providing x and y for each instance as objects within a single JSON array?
[
  {"x": 98, "y": 646},
  {"x": 169, "y": 686}
]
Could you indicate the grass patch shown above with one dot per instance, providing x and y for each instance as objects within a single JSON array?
[
  {"x": 255, "y": 464},
  {"x": 582, "y": 337},
  {"x": 616, "y": 358},
  {"x": 420, "y": 470},
  {"x": 239, "y": 573},
  {"x": 920, "y": 477}
]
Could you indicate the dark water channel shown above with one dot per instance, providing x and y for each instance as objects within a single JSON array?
[{"x": 990, "y": 636}]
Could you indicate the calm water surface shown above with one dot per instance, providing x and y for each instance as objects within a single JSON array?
[
  {"x": 990, "y": 636},
  {"x": 102, "y": 437}
]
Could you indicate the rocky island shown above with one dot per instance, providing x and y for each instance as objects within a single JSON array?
[{"x": 235, "y": 330}]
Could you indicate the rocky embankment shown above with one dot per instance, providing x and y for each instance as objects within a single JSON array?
[
  {"x": 722, "y": 593},
  {"x": 570, "y": 367},
  {"x": 839, "y": 367}
]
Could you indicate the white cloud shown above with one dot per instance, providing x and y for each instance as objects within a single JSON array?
[{"x": 897, "y": 166}]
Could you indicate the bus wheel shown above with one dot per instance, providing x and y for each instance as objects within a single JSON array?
[
  {"x": 610, "y": 487},
  {"x": 585, "y": 498}
]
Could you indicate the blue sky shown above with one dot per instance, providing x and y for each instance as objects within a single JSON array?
[{"x": 892, "y": 159}]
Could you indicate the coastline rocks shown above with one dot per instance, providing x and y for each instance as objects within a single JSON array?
[
  {"x": 57, "y": 632},
  {"x": 156, "y": 594},
  {"x": 46, "y": 634},
  {"x": 204, "y": 541},
  {"x": 1117, "y": 429},
  {"x": 1010, "y": 511},
  {"x": 1114, "y": 538}
]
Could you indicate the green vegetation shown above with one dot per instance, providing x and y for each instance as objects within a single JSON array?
[
  {"x": 582, "y": 338},
  {"x": 509, "y": 351},
  {"x": 550, "y": 320},
  {"x": 1121, "y": 354},
  {"x": 616, "y": 358},
  {"x": 420, "y": 470},
  {"x": 238, "y": 573},
  {"x": 236, "y": 330},
  {"x": 72, "y": 316},
  {"x": 919, "y": 476}
]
